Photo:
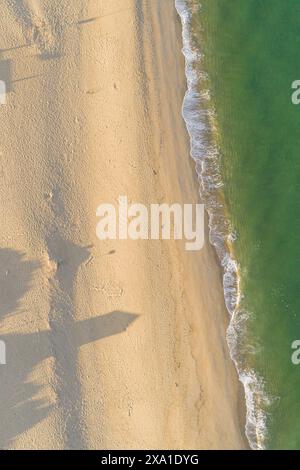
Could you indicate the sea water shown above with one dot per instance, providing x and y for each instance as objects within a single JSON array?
[{"x": 242, "y": 57}]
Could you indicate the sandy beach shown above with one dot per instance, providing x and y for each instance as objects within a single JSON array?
[{"x": 116, "y": 344}]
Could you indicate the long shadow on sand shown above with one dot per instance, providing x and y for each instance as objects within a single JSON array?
[{"x": 21, "y": 402}]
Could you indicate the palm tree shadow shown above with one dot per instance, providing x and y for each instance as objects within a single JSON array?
[
  {"x": 16, "y": 274},
  {"x": 24, "y": 402},
  {"x": 16, "y": 390}
]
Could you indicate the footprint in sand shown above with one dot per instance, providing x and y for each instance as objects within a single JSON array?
[{"x": 37, "y": 26}]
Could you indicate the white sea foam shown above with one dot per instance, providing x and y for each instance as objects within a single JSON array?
[{"x": 201, "y": 122}]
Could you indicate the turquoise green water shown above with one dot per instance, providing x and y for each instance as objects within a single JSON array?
[{"x": 252, "y": 56}]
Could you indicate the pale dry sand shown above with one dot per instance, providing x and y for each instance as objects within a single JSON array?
[{"x": 115, "y": 344}]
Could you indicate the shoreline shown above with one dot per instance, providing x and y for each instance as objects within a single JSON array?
[
  {"x": 202, "y": 125},
  {"x": 122, "y": 342}
]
